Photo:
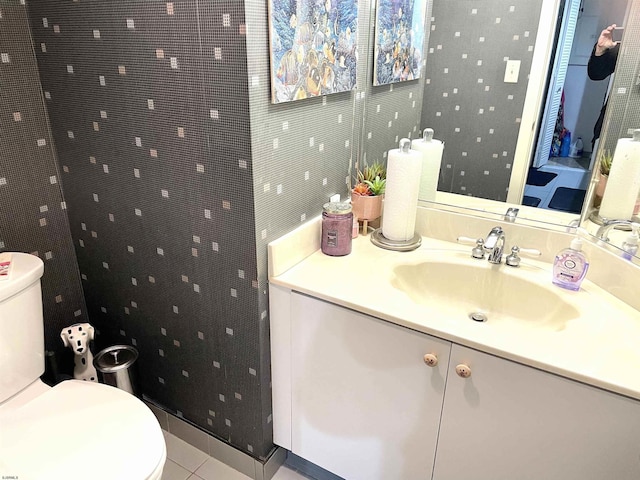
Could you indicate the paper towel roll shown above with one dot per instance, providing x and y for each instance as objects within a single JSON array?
[
  {"x": 401, "y": 193},
  {"x": 623, "y": 186},
  {"x": 431, "y": 151}
]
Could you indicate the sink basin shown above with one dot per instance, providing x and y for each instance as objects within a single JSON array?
[{"x": 476, "y": 290}]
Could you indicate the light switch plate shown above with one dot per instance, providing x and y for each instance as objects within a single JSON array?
[{"x": 512, "y": 71}]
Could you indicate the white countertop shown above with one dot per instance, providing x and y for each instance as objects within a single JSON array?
[{"x": 601, "y": 347}]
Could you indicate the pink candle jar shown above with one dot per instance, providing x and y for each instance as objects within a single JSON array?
[{"x": 337, "y": 224}]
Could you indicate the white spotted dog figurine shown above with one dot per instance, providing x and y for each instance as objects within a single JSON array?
[{"x": 77, "y": 337}]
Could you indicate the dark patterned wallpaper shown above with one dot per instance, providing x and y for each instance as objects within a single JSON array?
[
  {"x": 177, "y": 172},
  {"x": 466, "y": 100},
  {"x": 149, "y": 113},
  {"x": 32, "y": 210}
]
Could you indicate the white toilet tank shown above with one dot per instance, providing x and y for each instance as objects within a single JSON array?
[{"x": 21, "y": 325}]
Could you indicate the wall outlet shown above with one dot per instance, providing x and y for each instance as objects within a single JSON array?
[{"x": 512, "y": 71}]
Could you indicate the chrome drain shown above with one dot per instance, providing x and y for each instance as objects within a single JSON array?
[{"x": 478, "y": 317}]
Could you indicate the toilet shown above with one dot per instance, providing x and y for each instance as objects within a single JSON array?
[{"x": 76, "y": 429}]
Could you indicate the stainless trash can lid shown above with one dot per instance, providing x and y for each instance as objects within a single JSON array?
[{"x": 117, "y": 357}]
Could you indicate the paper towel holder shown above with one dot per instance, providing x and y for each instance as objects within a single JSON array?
[
  {"x": 379, "y": 240},
  {"x": 595, "y": 216}
]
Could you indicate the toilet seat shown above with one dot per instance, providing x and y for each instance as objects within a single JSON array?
[{"x": 80, "y": 430}]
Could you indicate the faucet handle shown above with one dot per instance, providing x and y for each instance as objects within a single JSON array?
[
  {"x": 513, "y": 259},
  {"x": 530, "y": 252},
  {"x": 478, "y": 250},
  {"x": 467, "y": 240}
]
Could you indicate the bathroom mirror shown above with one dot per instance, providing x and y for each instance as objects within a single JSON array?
[{"x": 399, "y": 110}]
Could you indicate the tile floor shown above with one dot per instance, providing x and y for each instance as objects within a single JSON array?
[{"x": 185, "y": 462}]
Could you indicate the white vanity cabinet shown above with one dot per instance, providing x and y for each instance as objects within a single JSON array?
[
  {"x": 508, "y": 421},
  {"x": 364, "y": 404},
  {"x": 354, "y": 395}
]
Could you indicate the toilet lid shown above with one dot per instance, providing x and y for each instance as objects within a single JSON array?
[{"x": 80, "y": 430}]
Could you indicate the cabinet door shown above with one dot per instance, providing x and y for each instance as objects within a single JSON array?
[
  {"x": 364, "y": 403},
  {"x": 508, "y": 421}
]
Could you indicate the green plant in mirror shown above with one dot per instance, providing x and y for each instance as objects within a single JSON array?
[{"x": 605, "y": 162}]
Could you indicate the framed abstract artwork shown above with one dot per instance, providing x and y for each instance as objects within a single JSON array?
[
  {"x": 312, "y": 47},
  {"x": 399, "y": 40}
]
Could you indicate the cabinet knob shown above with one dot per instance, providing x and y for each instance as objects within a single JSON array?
[
  {"x": 431, "y": 359},
  {"x": 463, "y": 370}
]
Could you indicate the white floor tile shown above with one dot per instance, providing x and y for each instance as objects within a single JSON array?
[
  {"x": 185, "y": 462},
  {"x": 173, "y": 471},
  {"x": 285, "y": 473},
  {"x": 213, "y": 469},
  {"x": 185, "y": 455}
]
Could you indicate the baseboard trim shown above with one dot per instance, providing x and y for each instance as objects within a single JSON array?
[
  {"x": 307, "y": 468},
  {"x": 218, "y": 449}
]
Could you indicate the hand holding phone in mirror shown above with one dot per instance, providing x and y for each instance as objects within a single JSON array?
[{"x": 605, "y": 40}]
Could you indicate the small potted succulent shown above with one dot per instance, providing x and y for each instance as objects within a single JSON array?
[{"x": 367, "y": 194}]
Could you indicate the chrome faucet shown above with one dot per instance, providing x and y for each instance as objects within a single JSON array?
[
  {"x": 603, "y": 231},
  {"x": 511, "y": 214},
  {"x": 494, "y": 244}
]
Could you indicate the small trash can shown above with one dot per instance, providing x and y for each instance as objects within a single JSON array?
[{"x": 116, "y": 364}]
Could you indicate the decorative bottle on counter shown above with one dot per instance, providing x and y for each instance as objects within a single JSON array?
[
  {"x": 337, "y": 225},
  {"x": 570, "y": 266}
]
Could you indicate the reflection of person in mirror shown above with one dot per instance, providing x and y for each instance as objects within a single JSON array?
[{"x": 602, "y": 63}]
